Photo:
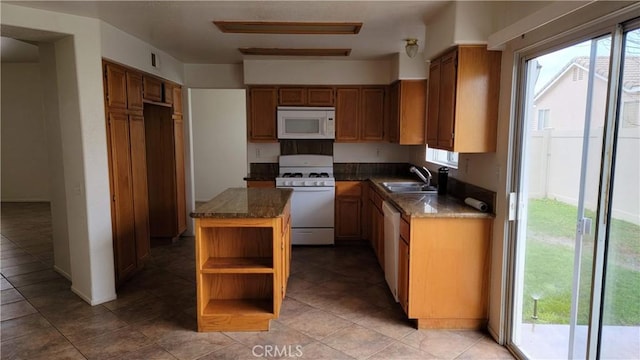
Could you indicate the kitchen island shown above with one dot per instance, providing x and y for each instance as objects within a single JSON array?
[{"x": 243, "y": 253}]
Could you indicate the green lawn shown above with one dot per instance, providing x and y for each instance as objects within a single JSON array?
[{"x": 549, "y": 267}]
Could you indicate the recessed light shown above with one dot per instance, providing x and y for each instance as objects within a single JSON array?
[
  {"x": 284, "y": 27},
  {"x": 295, "y": 52}
]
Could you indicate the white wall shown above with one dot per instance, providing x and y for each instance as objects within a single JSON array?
[
  {"x": 25, "y": 165},
  {"x": 81, "y": 113},
  {"x": 214, "y": 76},
  {"x": 219, "y": 137},
  {"x": 127, "y": 49},
  {"x": 317, "y": 72},
  {"x": 59, "y": 230}
]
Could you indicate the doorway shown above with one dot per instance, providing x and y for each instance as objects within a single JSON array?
[{"x": 576, "y": 268}]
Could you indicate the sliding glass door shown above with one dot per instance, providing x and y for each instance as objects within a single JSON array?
[{"x": 576, "y": 274}]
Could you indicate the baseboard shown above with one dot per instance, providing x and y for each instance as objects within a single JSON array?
[
  {"x": 62, "y": 272},
  {"x": 93, "y": 302},
  {"x": 36, "y": 200}
]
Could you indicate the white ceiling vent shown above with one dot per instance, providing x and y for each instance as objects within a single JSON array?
[{"x": 155, "y": 60}]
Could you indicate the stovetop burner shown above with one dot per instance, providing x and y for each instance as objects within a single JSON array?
[
  {"x": 292, "y": 175},
  {"x": 319, "y": 175}
]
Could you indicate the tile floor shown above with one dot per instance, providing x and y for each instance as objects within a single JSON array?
[{"x": 337, "y": 307}]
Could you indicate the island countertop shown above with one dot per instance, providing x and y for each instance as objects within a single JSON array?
[{"x": 236, "y": 203}]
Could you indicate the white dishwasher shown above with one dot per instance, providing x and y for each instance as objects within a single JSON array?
[{"x": 391, "y": 238}]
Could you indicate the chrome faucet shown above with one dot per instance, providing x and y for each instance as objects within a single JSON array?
[{"x": 426, "y": 180}]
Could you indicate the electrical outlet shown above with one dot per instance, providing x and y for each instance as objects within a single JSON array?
[
  {"x": 377, "y": 152},
  {"x": 257, "y": 153}
]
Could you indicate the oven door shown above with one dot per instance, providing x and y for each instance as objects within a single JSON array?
[{"x": 312, "y": 207}]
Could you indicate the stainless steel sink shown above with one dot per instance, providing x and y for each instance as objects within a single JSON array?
[{"x": 409, "y": 187}]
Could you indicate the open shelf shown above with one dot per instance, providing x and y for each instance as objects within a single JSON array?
[
  {"x": 238, "y": 265},
  {"x": 235, "y": 307}
]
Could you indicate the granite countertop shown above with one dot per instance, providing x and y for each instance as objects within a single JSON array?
[
  {"x": 237, "y": 203},
  {"x": 424, "y": 206}
]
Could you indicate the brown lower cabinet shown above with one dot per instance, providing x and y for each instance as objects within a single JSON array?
[
  {"x": 443, "y": 268},
  {"x": 348, "y": 210}
]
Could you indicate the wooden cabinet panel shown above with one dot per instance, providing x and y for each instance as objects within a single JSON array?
[
  {"x": 408, "y": 112},
  {"x": 447, "y": 101},
  {"x": 433, "y": 106},
  {"x": 168, "y": 93},
  {"x": 262, "y": 114},
  {"x": 181, "y": 204},
  {"x": 116, "y": 86},
  {"x": 177, "y": 100},
  {"x": 348, "y": 210},
  {"x": 394, "y": 112},
  {"x": 261, "y": 184},
  {"x": 403, "y": 274},
  {"x": 123, "y": 210},
  {"x": 348, "y": 215},
  {"x": 139, "y": 181},
  {"x": 290, "y": 96},
  {"x": 449, "y": 272},
  {"x": 463, "y": 99},
  {"x": 320, "y": 96},
  {"x": 347, "y": 114},
  {"x": 134, "y": 91},
  {"x": 152, "y": 89},
  {"x": 372, "y": 114}
]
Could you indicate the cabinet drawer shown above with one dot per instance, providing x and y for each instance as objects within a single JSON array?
[
  {"x": 348, "y": 188},
  {"x": 405, "y": 231}
]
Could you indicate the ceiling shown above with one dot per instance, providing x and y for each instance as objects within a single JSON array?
[{"x": 184, "y": 29}]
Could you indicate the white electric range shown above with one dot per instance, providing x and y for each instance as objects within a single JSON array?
[{"x": 312, "y": 203}]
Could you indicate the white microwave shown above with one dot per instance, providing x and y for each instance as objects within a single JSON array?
[{"x": 306, "y": 122}]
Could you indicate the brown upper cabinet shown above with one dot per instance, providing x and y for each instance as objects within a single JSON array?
[
  {"x": 305, "y": 96},
  {"x": 152, "y": 89},
  {"x": 407, "y": 107},
  {"x": 463, "y": 100},
  {"x": 134, "y": 91},
  {"x": 177, "y": 100},
  {"x": 360, "y": 113},
  {"x": 262, "y": 106},
  {"x": 116, "y": 86}
]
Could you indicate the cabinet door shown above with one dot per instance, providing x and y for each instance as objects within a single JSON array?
[
  {"x": 181, "y": 204},
  {"x": 134, "y": 91},
  {"x": 447, "y": 101},
  {"x": 262, "y": 114},
  {"x": 348, "y": 215},
  {"x": 320, "y": 96},
  {"x": 116, "y": 86},
  {"x": 292, "y": 96},
  {"x": 124, "y": 244},
  {"x": 168, "y": 93},
  {"x": 403, "y": 275},
  {"x": 152, "y": 89},
  {"x": 177, "y": 100},
  {"x": 394, "y": 112},
  {"x": 373, "y": 216},
  {"x": 413, "y": 94},
  {"x": 433, "y": 108},
  {"x": 372, "y": 114},
  {"x": 139, "y": 181},
  {"x": 347, "y": 114}
]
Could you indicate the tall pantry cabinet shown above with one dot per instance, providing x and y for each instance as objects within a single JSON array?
[{"x": 146, "y": 164}]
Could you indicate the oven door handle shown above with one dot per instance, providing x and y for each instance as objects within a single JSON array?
[{"x": 307, "y": 189}]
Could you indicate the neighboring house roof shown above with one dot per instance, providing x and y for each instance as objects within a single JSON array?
[{"x": 630, "y": 79}]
